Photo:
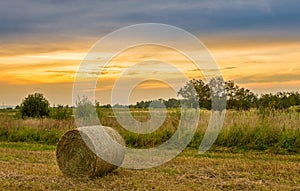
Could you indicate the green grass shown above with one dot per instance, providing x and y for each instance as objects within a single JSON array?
[
  {"x": 31, "y": 135},
  {"x": 276, "y": 132},
  {"x": 27, "y": 146}
]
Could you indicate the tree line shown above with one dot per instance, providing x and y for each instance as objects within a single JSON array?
[
  {"x": 226, "y": 94},
  {"x": 194, "y": 93}
]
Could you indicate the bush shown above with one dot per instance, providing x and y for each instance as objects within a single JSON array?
[{"x": 35, "y": 105}]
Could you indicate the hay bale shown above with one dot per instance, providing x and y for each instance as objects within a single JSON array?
[{"x": 84, "y": 152}]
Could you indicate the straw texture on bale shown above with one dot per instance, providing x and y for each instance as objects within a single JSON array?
[{"x": 84, "y": 152}]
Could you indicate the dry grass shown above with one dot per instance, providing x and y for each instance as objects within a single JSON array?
[
  {"x": 7, "y": 121},
  {"x": 37, "y": 170}
]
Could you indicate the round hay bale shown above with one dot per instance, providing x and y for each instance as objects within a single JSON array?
[{"x": 84, "y": 152}]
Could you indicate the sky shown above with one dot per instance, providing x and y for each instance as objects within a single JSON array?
[{"x": 42, "y": 43}]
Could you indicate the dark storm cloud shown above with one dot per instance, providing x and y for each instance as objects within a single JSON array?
[{"x": 44, "y": 17}]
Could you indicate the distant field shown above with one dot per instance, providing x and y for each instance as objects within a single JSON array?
[
  {"x": 254, "y": 151},
  {"x": 33, "y": 167}
]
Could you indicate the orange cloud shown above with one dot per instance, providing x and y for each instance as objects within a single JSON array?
[{"x": 260, "y": 66}]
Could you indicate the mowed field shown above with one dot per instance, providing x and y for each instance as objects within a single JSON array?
[
  {"x": 33, "y": 167},
  {"x": 254, "y": 151}
]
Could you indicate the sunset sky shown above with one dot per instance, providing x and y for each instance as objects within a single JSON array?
[{"x": 42, "y": 43}]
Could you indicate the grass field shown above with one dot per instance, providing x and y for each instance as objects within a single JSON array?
[
  {"x": 278, "y": 132},
  {"x": 254, "y": 151},
  {"x": 33, "y": 167}
]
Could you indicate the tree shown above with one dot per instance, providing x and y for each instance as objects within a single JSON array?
[
  {"x": 35, "y": 105},
  {"x": 196, "y": 91},
  {"x": 239, "y": 98},
  {"x": 84, "y": 108},
  {"x": 143, "y": 104},
  {"x": 85, "y": 112},
  {"x": 218, "y": 94},
  {"x": 220, "y": 91},
  {"x": 172, "y": 103},
  {"x": 280, "y": 100}
]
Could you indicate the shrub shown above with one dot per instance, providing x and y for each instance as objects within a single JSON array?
[
  {"x": 60, "y": 112},
  {"x": 35, "y": 105}
]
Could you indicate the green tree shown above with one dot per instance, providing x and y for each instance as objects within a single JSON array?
[
  {"x": 85, "y": 112},
  {"x": 84, "y": 108},
  {"x": 172, "y": 103},
  {"x": 196, "y": 91},
  {"x": 239, "y": 98},
  {"x": 35, "y": 105},
  {"x": 218, "y": 94},
  {"x": 220, "y": 91},
  {"x": 280, "y": 100}
]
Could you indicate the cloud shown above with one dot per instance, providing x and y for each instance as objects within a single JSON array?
[
  {"x": 61, "y": 71},
  {"x": 225, "y": 68},
  {"x": 242, "y": 28},
  {"x": 273, "y": 78},
  {"x": 229, "y": 68},
  {"x": 93, "y": 18}
]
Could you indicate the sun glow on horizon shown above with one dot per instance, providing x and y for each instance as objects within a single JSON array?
[{"x": 262, "y": 68}]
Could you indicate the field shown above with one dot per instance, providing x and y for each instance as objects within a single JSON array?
[
  {"x": 33, "y": 167},
  {"x": 254, "y": 151}
]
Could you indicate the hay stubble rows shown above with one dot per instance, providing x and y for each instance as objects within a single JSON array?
[{"x": 37, "y": 170}]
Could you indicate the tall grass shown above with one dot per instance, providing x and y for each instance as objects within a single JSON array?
[
  {"x": 44, "y": 131},
  {"x": 251, "y": 130},
  {"x": 274, "y": 131}
]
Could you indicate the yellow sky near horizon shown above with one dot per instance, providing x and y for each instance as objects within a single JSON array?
[{"x": 260, "y": 66}]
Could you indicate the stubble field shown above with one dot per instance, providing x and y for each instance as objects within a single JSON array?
[
  {"x": 33, "y": 167},
  {"x": 253, "y": 152}
]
